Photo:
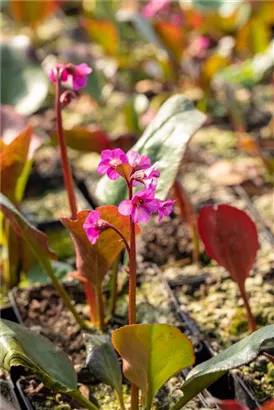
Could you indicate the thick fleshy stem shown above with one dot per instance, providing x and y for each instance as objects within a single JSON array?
[
  {"x": 250, "y": 317},
  {"x": 132, "y": 295},
  {"x": 63, "y": 150}
]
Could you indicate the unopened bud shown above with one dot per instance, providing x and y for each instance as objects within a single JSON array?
[{"x": 66, "y": 98}]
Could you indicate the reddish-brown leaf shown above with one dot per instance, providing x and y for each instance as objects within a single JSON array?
[
  {"x": 13, "y": 158},
  {"x": 36, "y": 239},
  {"x": 91, "y": 139},
  {"x": 230, "y": 237},
  {"x": 104, "y": 32},
  {"x": 32, "y": 12},
  {"x": 269, "y": 405},
  {"x": 172, "y": 36},
  {"x": 93, "y": 261}
]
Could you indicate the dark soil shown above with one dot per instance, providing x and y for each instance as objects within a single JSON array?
[{"x": 166, "y": 241}]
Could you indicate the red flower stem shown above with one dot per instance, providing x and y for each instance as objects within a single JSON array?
[
  {"x": 91, "y": 301},
  {"x": 63, "y": 151},
  {"x": 132, "y": 295},
  {"x": 251, "y": 319},
  {"x": 100, "y": 307},
  {"x": 89, "y": 291}
]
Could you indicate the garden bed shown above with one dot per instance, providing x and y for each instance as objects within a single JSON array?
[{"x": 42, "y": 310}]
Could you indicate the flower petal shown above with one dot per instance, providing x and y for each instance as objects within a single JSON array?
[{"x": 125, "y": 207}]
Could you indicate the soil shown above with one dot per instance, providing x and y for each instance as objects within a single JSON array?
[
  {"x": 166, "y": 241},
  {"x": 42, "y": 311}
]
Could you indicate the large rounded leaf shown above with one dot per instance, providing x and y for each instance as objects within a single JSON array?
[
  {"x": 152, "y": 353},
  {"x": 165, "y": 140},
  {"x": 230, "y": 237},
  {"x": 20, "y": 346}
]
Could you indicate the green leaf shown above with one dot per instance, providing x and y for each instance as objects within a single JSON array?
[
  {"x": 102, "y": 360},
  {"x": 22, "y": 347},
  {"x": 164, "y": 140},
  {"x": 37, "y": 275},
  {"x": 38, "y": 243},
  {"x": 237, "y": 355},
  {"x": 152, "y": 353},
  {"x": 23, "y": 82}
]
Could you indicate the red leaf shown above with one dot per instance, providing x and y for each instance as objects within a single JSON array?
[
  {"x": 269, "y": 405},
  {"x": 230, "y": 237},
  {"x": 231, "y": 405}
]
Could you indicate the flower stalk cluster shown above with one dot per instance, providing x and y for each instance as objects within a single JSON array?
[{"x": 137, "y": 171}]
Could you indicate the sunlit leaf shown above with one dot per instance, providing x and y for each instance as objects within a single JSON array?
[
  {"x": 172, "y": 36},
  {"x": 152, "y": 353},
  {"x": 24, "y": 85},
  {"x": 13, "y": 159},
  {"x": 239, "y": 354},
  {"x": 230, "y": 237},
  {"x": 102, "y": 360},
  {"x": 22, "y": 347},
  {"x": 36, "y": 239},
  {"x": 210, "y": 67},
  {"x": 93, "y": 261},
  {"x": 91, "y": 139},
  {"x": 32, "y": 12},
  {"x": 104, "y": 32},
  {"x": 165, "y": 140}
]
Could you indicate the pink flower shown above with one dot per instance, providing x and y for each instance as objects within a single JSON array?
[
  {"x": 53, "y": 73},
  {"x": 164, "y": 208},
  {"x": 148, "y": 177},
  {"x": 154, "y": 6},
  {"x": 79, "y": 76},
  {"x": 94, "y": 225},
  {"x": 137, "y": 161},
  {"x": 109, "y": 161},
  {"x": 140, "y": 207},
  {"x": 77, "y": 73}
]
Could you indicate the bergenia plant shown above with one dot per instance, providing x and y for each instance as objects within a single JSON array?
[
  {"x": 137, "y": 171},
  {"x": 230, "y": 238}
]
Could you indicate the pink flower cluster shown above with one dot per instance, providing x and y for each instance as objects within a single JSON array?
[
  {"x": 143, "y": 203},
  {"x": 69, "y": 72}
]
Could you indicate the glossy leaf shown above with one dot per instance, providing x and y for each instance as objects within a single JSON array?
[
  {"x": 13, "y": 159},
  {"x": 24, "y": 85},
  {"x": 102, "y": 360},
  {"x": 91, "y": 139},
  {"x": 104, "y": 32},
  {"x": 165, "y": 140},
  {"x": 22, "y": 347},
  {"x": 230, "y": 237},
  {"x": 152, "y": 353},
  {"x": 172, "y": 37},
  {"x": 93, "y": 261},
  {"x": 32, "y": 12},
  {"x": 239, "y": 354}
]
